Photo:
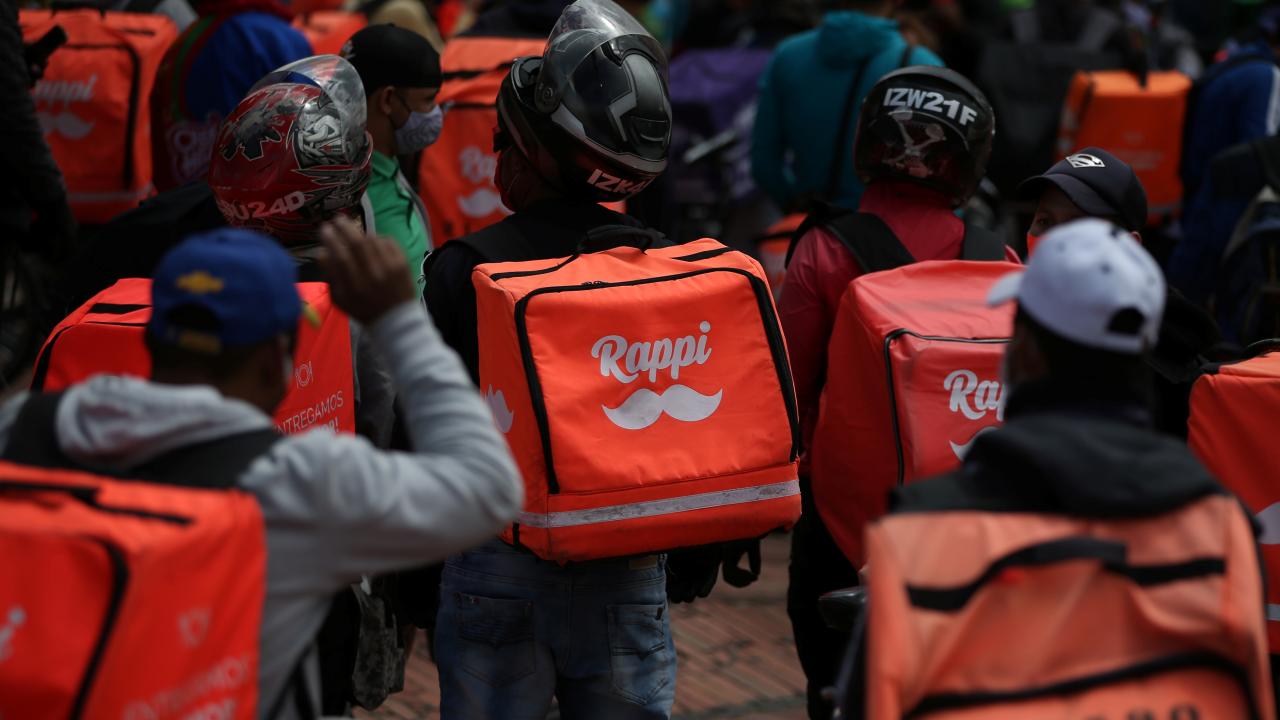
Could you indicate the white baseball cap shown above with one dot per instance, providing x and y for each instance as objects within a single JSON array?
[{"x": 1090, "y": 282}]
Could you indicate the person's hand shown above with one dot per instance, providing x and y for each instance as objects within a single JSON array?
[{"x": 366, "y": 273}]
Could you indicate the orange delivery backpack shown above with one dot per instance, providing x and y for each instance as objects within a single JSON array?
[
  {"x": 94, "y": 104},
  {"x": 773, "y": 248},
  {"x": 456, "y": 173},
  {"x": 913, "y": 371},
  {"x": 1233, "y": 429},
  {"x": 105, "y": 335},
  {"x": 1139, "y": 120},
  {"x": 329, "y": 30},
  {"x": 1001, "y": 614},
  {"x": 667, "y": 420},
  {"x": 131, "y": 599}
]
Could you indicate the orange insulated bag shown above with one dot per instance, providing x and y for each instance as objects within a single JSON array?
[
  {"x": 329, "y": 30},
  {"x": 646, "y": 396},
  {"x": 913, "y": 377},
  {"x": 1139, "y": 122},
  {"x": 127, "y": 599},
  {"x": 456, "y": 173},
  {"x": 1008, "y": 615},
  {"x": 1233, "y": 429},
  {"x": 94, "y": 104},
  {"x": 105, "y": 335}
]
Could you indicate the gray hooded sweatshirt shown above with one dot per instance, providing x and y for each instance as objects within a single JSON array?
[{"x": 335, "y": 507}]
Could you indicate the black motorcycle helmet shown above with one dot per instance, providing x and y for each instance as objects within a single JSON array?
[
  {"x": 926, "y": 125},
  {"x": 592, "y": 115}
]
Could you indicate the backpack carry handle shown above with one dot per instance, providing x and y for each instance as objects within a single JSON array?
[
  {"x": 605, "y": 236},
  {"x": 1262, "y": 347}
]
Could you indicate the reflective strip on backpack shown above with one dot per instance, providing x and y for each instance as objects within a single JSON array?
[{"x": 651, "y": 508}]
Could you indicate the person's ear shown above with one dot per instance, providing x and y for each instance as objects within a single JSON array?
[{"x": 385, "y": 101}]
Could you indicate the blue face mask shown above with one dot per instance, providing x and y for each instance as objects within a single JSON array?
[{"x": 420, "y": 131}]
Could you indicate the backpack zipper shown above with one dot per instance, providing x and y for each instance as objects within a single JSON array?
[{"x": 119, "y": 582}]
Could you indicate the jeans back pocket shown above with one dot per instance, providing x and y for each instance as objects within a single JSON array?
[
  {"x": 497, "y": 640},
  {"x": 640, "y": 656}
]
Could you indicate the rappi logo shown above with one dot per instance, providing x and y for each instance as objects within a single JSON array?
[
  {"x": 626, "y": 361},
  {"x": 974, "y": 399},
  {"x": 48, "y": 93}
]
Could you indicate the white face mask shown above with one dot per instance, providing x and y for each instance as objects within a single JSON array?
[{"x": 420, "y": 131}]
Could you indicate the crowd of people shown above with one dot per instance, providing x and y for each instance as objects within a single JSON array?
[{"x": 475, "y": 326}]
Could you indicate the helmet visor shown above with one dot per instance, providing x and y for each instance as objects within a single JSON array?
[{"x": 583, "y": 27}]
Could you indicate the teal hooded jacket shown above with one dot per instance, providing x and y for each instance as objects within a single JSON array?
[{"x": 802, "y": 96}]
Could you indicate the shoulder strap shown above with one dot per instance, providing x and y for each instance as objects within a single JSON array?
[
  {"x": 821, "y": 214},
  {"x": 981, "y": 244},
  {"x": 907, "y": 52},
  {"x": 873, "y": 245},
  {"x": 215, "y": 464},
  {"x": 871, "y": 242}
]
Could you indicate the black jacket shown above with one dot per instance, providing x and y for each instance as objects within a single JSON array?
[
  {"x": 31, "y": 181},
  {"x": 1066, "y": 450}
]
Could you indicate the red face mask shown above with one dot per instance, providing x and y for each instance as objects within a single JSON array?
[{"x": 1031, "y": 243}]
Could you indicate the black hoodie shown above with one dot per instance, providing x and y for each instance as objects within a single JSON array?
[{"x": 1065, "y": 450}]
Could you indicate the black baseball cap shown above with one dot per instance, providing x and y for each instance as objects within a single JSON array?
[
  {"x": 1099, "y": 183},
  {"x": 389, "y": 55}
]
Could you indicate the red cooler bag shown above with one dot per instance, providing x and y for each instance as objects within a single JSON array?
[
  {"x": 913, "y": 376},
  {"x": 105, "y": 335},
  {"x": 127, "y": 599},
  {"x": 1233, "y": 429}
]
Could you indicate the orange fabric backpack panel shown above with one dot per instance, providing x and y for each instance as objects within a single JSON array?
[
  {"x": 772, "y": 248},
  {"x": 105, "y": 335},
  {"x": 456, "y": 173},
  {"x": 94, "y": 104},
  {"x": 329, "y": 30},
  {"x": 1235, "y": 415},
  {"x": 668, "y": 420},
  {"x": 978, "y": 614},
  {"x": 1141, "y": 125},
  {"x": 127, "y": 600},
  {"x": 913, "y": 378}
]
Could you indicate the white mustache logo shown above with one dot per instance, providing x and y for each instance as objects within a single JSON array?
[
  {"x": 644, "y": 407},
  {"x": 962, "y": 450},
  {"x": 1269, "y": 519},
  {"x": 481, "y": 203},
  {"x": 66, "y": 124},
  {"x": 503, "y": 417}
]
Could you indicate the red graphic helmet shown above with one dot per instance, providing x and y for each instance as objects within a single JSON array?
[{"x": 295, "y": 151}]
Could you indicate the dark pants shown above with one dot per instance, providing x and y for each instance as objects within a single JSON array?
[{"x": 817, "y": 567}]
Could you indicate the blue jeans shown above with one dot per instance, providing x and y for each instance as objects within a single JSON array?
[{"x": 514, "y": 631}]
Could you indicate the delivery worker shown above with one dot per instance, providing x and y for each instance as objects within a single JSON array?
[
  {"x": 335, "y": 507},
  {"x": 401, "y": 75}
]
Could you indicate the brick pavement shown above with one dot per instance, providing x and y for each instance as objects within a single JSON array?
[{"x": 735, "y": 653}]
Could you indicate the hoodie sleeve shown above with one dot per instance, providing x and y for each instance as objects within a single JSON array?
[
  {"x": 337, "y": 508},
  {"x": 767, "y": 147}
]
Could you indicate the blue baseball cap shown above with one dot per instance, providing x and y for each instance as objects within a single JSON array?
[{"x": 244, "y": 279}]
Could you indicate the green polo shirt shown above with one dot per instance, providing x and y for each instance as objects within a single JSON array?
[{"x": 397, "y": 212}]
